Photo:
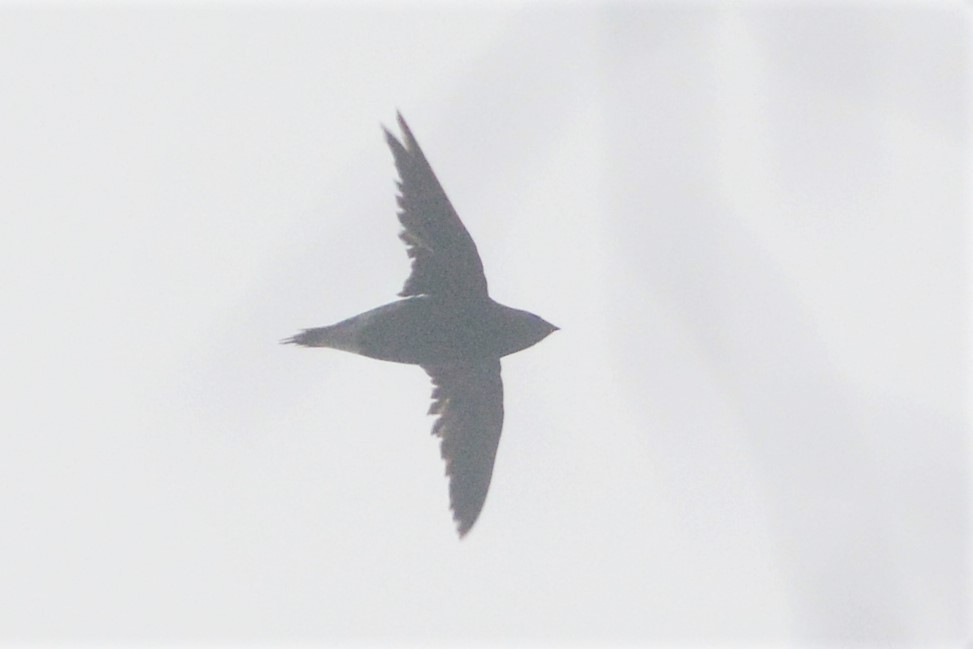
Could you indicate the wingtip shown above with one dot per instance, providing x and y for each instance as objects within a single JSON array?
[
  {"x": 462, "y": 528},
  {"x": 398, "y": 120},
  {"x": 463, "y": 523},
  {"x": 407, "y": 137},
  {"x": 397, "y": 146}
]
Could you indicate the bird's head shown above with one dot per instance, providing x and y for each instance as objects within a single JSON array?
[{"x": 525, "y": 329}]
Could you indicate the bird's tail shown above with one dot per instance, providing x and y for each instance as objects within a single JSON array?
[{"x": 339, "y": 336}]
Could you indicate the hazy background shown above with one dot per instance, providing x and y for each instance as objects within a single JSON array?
[{"x": 751, "y": 222}]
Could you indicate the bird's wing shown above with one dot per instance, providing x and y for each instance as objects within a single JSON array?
[
  {"x": 469, "y": 401},
  {"x": 445, "y": 262}
]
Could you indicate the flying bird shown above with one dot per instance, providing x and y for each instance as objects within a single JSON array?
[{"x": 447, "y": 324}]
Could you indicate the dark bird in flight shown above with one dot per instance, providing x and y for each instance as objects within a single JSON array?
[{"x": 447, "y": 324}]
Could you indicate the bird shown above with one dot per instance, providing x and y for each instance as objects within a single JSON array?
[{"x": 445, "y": 322}]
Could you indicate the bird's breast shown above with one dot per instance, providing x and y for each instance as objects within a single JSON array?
[{"x": 425, "y": 331}]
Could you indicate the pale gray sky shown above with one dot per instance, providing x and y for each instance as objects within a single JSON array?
[{"x": 751, "y": 222}]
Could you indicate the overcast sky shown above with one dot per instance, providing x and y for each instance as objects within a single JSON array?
[{"x": 750, "y": 221}]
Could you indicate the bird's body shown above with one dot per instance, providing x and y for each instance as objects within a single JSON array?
[
  {"x": 446, "y": 323},
  {"x": 424, "y": 330}
]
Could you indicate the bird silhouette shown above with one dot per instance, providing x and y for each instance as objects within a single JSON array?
[{"x": 446, "y": 323}]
